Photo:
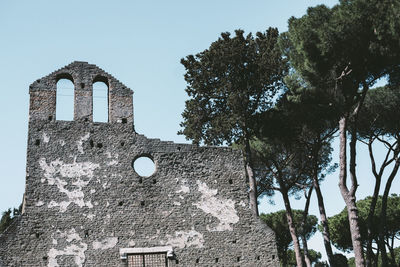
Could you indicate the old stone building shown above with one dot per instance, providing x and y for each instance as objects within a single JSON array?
[{"x": 84, "y": 204}]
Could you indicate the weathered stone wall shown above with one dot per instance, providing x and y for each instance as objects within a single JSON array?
[{"x": 84, "y": 201}]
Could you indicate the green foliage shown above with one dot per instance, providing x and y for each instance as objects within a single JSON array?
[
  {"x": 299, "y": 142},
  {"x": 340, "y": 260},
  {"x": 340, "y": 231},
  {"x": 7, "y": 218},
  {"x": 339, "y": 226},
  {"x": 339, "y": 50},
  {"x": 278, "y": 222},
  {"x": 321, "y": 264},
  {"x": 280, "y": 166},
  {"x": 229, "y": 84},
  {"x": 396, "y": 253},
  {"x": 378, "y": 117},
  {"x": 312, "y": 254},
  {"x": 288, "y": 162},
  {"x": 301, "y": 109},
  {"x": 351, "y": 262}
]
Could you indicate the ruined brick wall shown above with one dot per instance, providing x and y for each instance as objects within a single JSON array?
[{"x": 84, "y": 203}]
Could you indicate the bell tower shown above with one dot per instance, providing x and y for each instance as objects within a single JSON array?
[{"x": 83, "y": 75}]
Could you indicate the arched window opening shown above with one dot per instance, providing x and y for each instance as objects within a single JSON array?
[
  {"x": 100, "y": 102},
  {"x": 65, "y": 100}
]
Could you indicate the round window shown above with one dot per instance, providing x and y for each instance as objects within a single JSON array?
[{"x": 144, "y": 166}]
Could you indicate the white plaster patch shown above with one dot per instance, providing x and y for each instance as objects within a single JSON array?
[
  {"x": 89, "y": 204},
  {"x": 114, "y": 158},
  {"x": 63, "y": 205},
  {"x": 220, "y": 208},
  {"x": 183, "y": 239},
  {"x": 106, "y": 243},
  {"x": 92, "y": 191},
  {"x": 176, "y": 203},
  {"x": 79, "y": 143},
  {"x": 39, "y": 203},
  {"x": 72, "y": 235},
  {"x": 76, "y": 170},
  {"x": 77, "y": 249},
  {"x": 131, "y": 243},
  {"x": 62, "y": 142},
  {"x": 69, "y": 235},
  {"x": 46, "y": 138},
  {"x": 184, "y": 188}
]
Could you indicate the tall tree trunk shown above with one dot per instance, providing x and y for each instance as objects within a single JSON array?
[
  {"x": 321, "y": 206},
  {"x": 305, "y": 251},
  {"x": 370, "y": 253},
  {"x": 292, "y": 229},
  {"x": 304, "y": 222},
  {"x": 382, "y": 249},
  {"x": 383, "y": 215},
  {"x": 355, "y": 230},
  {"x": 378, "y": 178},
  {"x": 349, "y": 195},
  {"x": 392, "y": 255},
  {"x": 252, "y": 178},
  {"x": 391, "y": 249},
  {"x": 324, "y": 221}
]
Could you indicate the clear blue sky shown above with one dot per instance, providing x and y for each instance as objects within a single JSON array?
[{"x": 141, "y": 44}]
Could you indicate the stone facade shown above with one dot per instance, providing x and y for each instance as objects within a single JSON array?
[{"x": 84, "y": 204}]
